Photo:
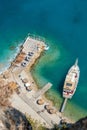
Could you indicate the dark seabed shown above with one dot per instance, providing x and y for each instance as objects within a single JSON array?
[{"x": 63, "y": 24}]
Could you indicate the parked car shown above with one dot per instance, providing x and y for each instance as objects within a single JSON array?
[
  {"x": 27, "y": 58},
  {"x": 30, "y": 53},
  {"x": 23, "y": 64}
]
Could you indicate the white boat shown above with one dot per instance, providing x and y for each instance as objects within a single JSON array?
[
  {"x": 71, "y": 81},
  {"x": 46, "y": 47}
]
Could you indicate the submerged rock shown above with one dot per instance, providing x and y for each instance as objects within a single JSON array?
[{"x": 12, "y": 47}]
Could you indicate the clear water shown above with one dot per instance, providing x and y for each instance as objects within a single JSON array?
[{"x": 64, "y": 26}]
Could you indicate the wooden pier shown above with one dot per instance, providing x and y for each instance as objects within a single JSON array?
[{"x": 63, "y": 105}]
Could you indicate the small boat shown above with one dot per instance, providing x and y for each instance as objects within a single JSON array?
[
  {"x": 71, "y": 81},
  {"x": 46, "y": 47}
]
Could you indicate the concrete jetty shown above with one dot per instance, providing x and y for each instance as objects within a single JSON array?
[
  {"x": 26, "y": 101},
  {"x": 33, "y": 45},
  {"x": 43, "y": 90}
]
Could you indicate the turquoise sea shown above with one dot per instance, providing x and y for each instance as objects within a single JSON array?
[{"x": 63, "y": 25}]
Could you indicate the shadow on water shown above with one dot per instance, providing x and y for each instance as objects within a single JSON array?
[
  {"x": 77, "y": 18},
  {"x": 60, "y": 89},
  {"x": 60, "y": 85}
]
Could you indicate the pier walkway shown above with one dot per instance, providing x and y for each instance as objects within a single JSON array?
[
  {"x": 64, "y": 104},
  {"x": 32, "y": 45},
  {"x": 43, "y": 90},
  {"x": 43, "y": 115}
]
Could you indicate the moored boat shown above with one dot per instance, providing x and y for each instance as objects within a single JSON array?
[
  {"x": 71, "y": 81},
  {"x": 46, "y": 47}
]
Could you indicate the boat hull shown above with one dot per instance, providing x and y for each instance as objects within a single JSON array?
[{"x": 71, "y": 81}]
